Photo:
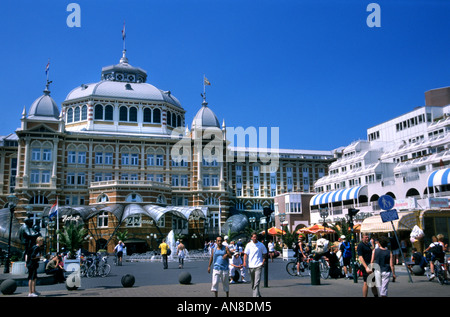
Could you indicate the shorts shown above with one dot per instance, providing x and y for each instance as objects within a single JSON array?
[
  {"x": 396, "y": 252},
  {"x": 119, "y": 254},
  {"x": 220, "y": 276},
  {"x": 346, "y": 261},
  {"x": 32, "y": 273}
]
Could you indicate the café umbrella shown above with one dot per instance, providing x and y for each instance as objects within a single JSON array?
[{"x": 316, "y": 229}]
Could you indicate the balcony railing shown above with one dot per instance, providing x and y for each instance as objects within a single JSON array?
[{"x": 136, "y": 183}]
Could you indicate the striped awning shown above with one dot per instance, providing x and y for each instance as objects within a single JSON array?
[
  {"x": 439, "y": 177},
  {"x": 406, "y": 221},
  {"x": 336, "y": 196}
]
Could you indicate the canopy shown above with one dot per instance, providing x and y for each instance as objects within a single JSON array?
[
  {"x": 275, "y": 231},
  {"x": 316, "y": 229},
  {"x": 406, "y": 221},
  {"x": 336, "y": 196},
  {"x": 439, "y": 177}
]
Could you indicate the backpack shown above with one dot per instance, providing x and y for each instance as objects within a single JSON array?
[
  {"x": 347, "y": 250},
  {"x": 437, "y": 249}
]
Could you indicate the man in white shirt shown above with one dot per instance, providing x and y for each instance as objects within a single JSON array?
[{"x": 255, "y": 254}]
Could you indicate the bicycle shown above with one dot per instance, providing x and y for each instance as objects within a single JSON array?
[
  {"x": 324, "y": 268},
  {"x": 304, "y": 269},
  {"x": 85, "y": 263},
  {"x": 439, "y": 272},
  {"x": 99, "y": 268}
]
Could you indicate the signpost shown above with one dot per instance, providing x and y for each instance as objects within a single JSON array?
[{"x": 386, "y": 203}]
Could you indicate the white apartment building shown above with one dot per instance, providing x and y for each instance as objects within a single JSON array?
[{"x": 406, "y": 157}]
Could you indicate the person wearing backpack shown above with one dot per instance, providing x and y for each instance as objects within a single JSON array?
[
  {"x": 32, "y": 262},
  {"x": 436, "y": 248},
  {"x": 346, "y": 255}
]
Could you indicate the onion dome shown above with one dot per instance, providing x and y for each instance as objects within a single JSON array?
[{"x": 44, "y": 106}]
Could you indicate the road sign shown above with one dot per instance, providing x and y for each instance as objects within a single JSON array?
[
  {"x": 386, "y": 202},
  {"x": 389, "y": 215}
]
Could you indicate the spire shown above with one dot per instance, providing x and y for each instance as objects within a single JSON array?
[
  {"x": 47, "y": 86},
  {"x": 124, "y": 59}
]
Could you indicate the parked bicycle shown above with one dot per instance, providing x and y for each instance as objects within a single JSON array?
[
  {"x": 85, "y": 263},
  {"x": 99, "y": 267}
]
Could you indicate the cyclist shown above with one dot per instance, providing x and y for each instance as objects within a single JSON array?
[
  {"x": 437, "y": 249},
  {"x": 321, "y": 248},
  {"x": 299, "y": 252}
]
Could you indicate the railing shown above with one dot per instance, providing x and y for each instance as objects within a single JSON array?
[{"x": 137, "y": 183}]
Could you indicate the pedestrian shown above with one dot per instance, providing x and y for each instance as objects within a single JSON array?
[
  {"x": 219, "y": 260},
  {"x": 118, "y": 249},
  {"x": 255, "y": 254},
  {"x": 55, "y": 267},
  {"x": 395, "y": 248},
  {"x": 164, "y": 247},
  {"x": 385, "y": 265},
  {"x": 235, "y": 268},
  {"x": 32, "y": 262},
  {"x": 364, "y": 251},
  {"x": 271, "y": 250},
  {"x": 346, "y": 256},
  {"x": 181, "y": 252}
]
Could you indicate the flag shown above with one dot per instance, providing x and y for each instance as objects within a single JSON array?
[
  {"x": 123, "y": 31},
  {"x": 207, "y": 82},
  {"x": 47, "y": 67},
  {"x": 54, "y": 210}
]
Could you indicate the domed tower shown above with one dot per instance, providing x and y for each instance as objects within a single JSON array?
[{"x": 122, "y": 102}]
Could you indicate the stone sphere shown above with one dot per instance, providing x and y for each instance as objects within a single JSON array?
[
  {"x": 8, "y": 287},
  {"x": 417, "y": 270},
  {"x": 184, "y": 278},
  {"x": 128, "y": 280}
]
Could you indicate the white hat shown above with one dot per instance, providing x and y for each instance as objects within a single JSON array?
[{"x": 343, "y": 237}]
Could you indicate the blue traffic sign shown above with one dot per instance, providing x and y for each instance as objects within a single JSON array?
[
  {"x": 386, "y": 202},
  {"x": 389, "y": 215}
]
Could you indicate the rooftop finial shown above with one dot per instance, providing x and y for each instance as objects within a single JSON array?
[{"x": 47, "y": 68}]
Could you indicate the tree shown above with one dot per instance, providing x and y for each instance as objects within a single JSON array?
[
  {"x": 72, "y": 237},
  {"x": 122, "y": 235},
  {"x": 342, "y": 228}
]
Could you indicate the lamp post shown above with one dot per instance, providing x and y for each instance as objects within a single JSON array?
[
  {"x": 324, "y": 214},
  {"x": 12, "y": 203},
  {"x": 351, "y": 213},
  {"x": 282, "y": 218}
]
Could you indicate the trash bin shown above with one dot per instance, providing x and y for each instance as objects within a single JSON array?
[{"x": 315, "y": 273}]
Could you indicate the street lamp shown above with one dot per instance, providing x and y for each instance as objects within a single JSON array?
[
  {"x": 324, "y": 214},
  {"x": 352, "y": 213},
  {"x": 282, "y": 218},
  {"x": 12, "y": 203}
]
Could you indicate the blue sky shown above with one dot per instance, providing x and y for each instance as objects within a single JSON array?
[{"x": 313, "y": 68}]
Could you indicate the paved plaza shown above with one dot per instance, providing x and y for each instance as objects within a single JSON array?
[{"x": 151, "y": 280}]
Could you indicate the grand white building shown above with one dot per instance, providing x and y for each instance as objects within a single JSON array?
[{"x": 120, "y": 154}]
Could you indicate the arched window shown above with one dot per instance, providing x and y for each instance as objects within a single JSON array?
[
  {"x": 123, "y": 114},
  {"x": 133, "y": 198},
  {"x": 76, "y": 116},
  {"x": 103, "y": 198},
  {"x": 161, "y": 199},
  {"x": 169, "y": 118},
  {"x": 133, "y": 114},
  {"x": 174, "y": 120},
  {"x": 156, "y": 115},
  {"x": 69, "y": 115},
  {"x": 84, "y": 112},
  {"x": 109, "y": 112},
  {"x": 98, "y": 112},
  {"x": 179, "y": 121},
  {"x": 147, "y": 115}
]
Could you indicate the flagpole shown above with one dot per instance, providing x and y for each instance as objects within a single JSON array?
[{"x": 204, "y": 88}]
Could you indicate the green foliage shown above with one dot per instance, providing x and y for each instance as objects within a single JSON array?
[
  {"x": 72, "y": 237},
  {"x": 342, "y": 228},
  {"x": 122, "y": 235}
]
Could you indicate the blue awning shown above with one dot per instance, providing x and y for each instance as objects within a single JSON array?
[
  {"x": 336, "y": 196},
  {"x": 439, "y": 177}
]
